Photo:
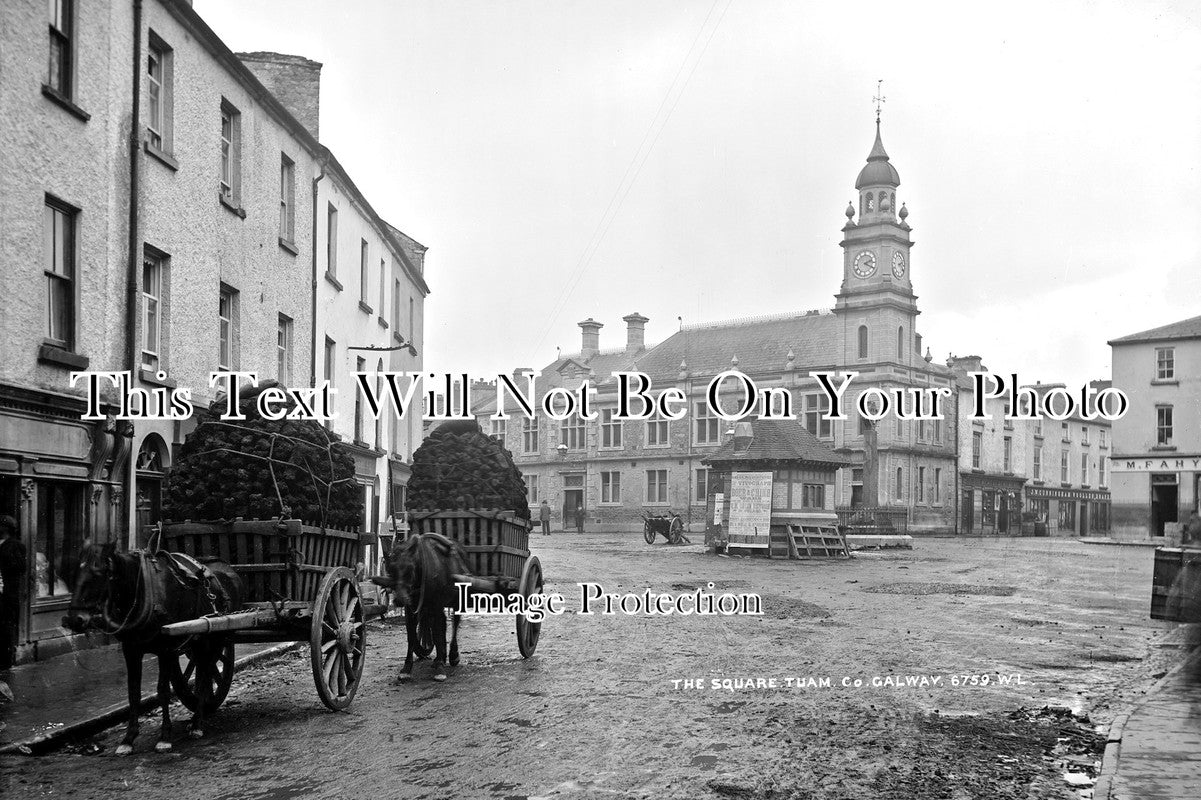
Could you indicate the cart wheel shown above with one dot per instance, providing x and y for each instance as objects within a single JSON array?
[
  {"x": 531, "y": 584},
  {"x": 648, "y": 532},
  {"x": 183, "y": 676},
  {"x": 338, "y": 639},
  {"x": 677, "y": 531}
]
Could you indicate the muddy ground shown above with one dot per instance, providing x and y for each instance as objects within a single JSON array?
[{"x": 1036, "y": 645}]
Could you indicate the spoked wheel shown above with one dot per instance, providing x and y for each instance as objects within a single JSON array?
[
  {"x": 531, "y": 584},
  {"x": 184, "y": 673},
  {"x": 677, "y": 531},
  {"x": 338, "y": 639},
  {"x": 648, "y": 532}
]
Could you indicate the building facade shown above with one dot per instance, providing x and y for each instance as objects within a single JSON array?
[
  {"x": 1156, "y": 461},
  {"x": 155, "y": 177}
]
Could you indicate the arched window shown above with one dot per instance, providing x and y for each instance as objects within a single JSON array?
[
  {"x": 883, "y": 204},
  {"x": 892, "y": 200},
  {"x": 870, "y": 202},
  {"x": 900, "y": 484},
  {"x": 154, "y": 458},
  {"x": 863, "y": 341},
  {"x": 900, "y": 343}
]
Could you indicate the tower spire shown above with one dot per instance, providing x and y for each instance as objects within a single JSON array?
[{"x": 878, "y": 99}]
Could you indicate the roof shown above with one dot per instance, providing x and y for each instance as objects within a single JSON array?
[
  {"x": 761, "y": 344},
  {"x": 878, "y": 171},
  {"x": 1185, "y": 329},
  {"x": 779, "y": 440}
]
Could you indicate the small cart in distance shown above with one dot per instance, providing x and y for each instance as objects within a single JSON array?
[
  {"x": 497, "y": 548},
  {"x": 299, "y": 586}
]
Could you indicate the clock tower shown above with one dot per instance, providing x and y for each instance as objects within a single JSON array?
[{"x": 876, "y": 297}]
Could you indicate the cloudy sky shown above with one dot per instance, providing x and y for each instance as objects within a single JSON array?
[{"x": 565, "y": 160}]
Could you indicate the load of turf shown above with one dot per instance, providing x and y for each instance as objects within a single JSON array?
[{"x": 458, "y": 466}]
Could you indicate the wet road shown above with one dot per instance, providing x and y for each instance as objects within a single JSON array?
[{"x": 949, "y": 643}]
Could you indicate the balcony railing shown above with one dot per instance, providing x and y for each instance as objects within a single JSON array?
[{"x": 873, "y": 520}]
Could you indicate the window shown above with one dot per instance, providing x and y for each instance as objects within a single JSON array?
[
  {"x": 813, "y": 496},
  {"x": 702, "y": 485},
  {"x": 364, "y": 278},
  {"x": 287, "y": 199},
  {"x": 1007, "y": 455},
  {"x": 331, "y": 241},
  {"x": 708, "y": 426},
  {"x": 412, "y": 317},
  {"x": 1163, "y": 426},
  {"x": 1066, "y": 431},
  {"x": 1165, "y": 363},
  {"x": 153, "y": 267},
  {"x": 610, "y": 487},
  {"x": 330, "y": 360},
  {"x": 1084, "y": 469},
  {"x": 977, "y": 446},
  {"x": 816, "y": 409},
  {"x": 59, "y": 229},
  {"x": 1067, "y": 515},
  {"x": 793, "y": 489},
  {"x": 863, "y": 338},
  {"x": 937, "y": 493},
  {"x": 900, "y": 343},
  {"x": 988, "y": 507},
  {"x": 497, "y": 431},
  {"x": 531, "y": 487},
  {"x": 226, "y": 311},
  {"x": 1084, "y": 435},
  {"x": 160, "y": 89},
  {"x": 921, "y": 484},
  {"x": 62, "y": 31},
  {"x": 938, "y": 431},
  {"x": 231, "y": 153},
  {"x": 656, "y": 433},
  {"x": 396, "y": 307},
  {"x": 529, "y": 435},
  {"x": 1064, "y": 467},
  {"x": 1101, "y": 472},
  {"x": 283, "y": 350},
  {"x": 656, "y": 486},
  {"x": 1038, "y": 426},
  {"x": 1038, "y": 463},
  {"x": 571, "y": 433},
  {"x": 360, "y": 365},
  {"x": 921, "y": 430},
  {"x": 610, "y": 428},
  {"x": 383, "y": 286},
  {"x": 59, "y": 538},
  {"x": 1103, "y": 435},
  {"x": 900, "y": 484}
]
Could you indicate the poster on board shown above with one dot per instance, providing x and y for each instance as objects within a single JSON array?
[{"x": 750, "y": 509}]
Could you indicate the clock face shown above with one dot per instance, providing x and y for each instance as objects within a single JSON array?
[
  {"x": 865, "y": 264},
  {"x": 898, "y": 265}
]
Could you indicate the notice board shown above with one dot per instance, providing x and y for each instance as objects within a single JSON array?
[{"x": 750, "y": 509}]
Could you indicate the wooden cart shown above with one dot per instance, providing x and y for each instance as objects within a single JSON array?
[
  {"x": 1176, "y": 584},
  {"x": 497, "y": 547},
  {"x": 300, "y": 586},
  {"x": 668, "y": 525}
]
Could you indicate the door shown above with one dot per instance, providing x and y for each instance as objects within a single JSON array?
[
  {"x": 572, "y": 499},
  {"x": 1003, "y": 512},
  {"x": 1163, "y": 506},
  {"x": 966, "y": 511},
  {"x": 1083, "y": 518}
]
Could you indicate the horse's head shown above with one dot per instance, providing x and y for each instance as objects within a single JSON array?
[
  {"x": 403, "y": 571},
  {"x": 97, "y": 565}
]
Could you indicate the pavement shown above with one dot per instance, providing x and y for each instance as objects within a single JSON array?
[
  {"x": 81, "y": 693},
  {"x": 1154, "y": 753}
]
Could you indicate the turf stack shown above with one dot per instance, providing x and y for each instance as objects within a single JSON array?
[{"x": 458, "y": 466}]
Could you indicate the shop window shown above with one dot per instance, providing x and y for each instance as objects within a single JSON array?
[{"x": 59, "y": 538}]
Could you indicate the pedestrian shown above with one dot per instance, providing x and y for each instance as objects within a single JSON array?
[
  {"x": 579, "y": 518},
  {"x": 1192, "y": 530},
  {"x": 12, "y": 568},
  {"x": 544, "y": 516}
]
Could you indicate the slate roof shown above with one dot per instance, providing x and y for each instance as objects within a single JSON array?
[
  {"x": 1185, "y": 329},
  {"x": 779, "y": 440},
  {"x": 568, "y": 370},
  {"x": 761, "y": 345}
]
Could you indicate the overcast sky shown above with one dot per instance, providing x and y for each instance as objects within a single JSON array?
[{"x": 564, "y": 160}]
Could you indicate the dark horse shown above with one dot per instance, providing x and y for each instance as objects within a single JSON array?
[
  {"x": 421, "y": 572},
  {"x": 131, "y": 596}
]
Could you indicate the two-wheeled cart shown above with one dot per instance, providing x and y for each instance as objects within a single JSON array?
[
  {"x": 668, "y": 525},
  {"x": 300, "y": 586}
]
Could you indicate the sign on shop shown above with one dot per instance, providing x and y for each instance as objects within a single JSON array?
[{"x": 1169, "y": 464}]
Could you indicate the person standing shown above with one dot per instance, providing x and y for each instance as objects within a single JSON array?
[
  {"x": 1192, "y": 531},
  {"x": 12, "y": 568},
  {"x": 579, "y": 518},
  {"x": 544, "y": 516}
]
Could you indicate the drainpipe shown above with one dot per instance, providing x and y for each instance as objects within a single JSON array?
[
  {"x": 313, "y": 317},
  {"x": 131, "y": 294}
]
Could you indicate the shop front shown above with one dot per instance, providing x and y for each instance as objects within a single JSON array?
[
  {"x": 1154, "y": 494},
  {"x": 991, "y": 505},
  {"x": 1069, "y": 512}
]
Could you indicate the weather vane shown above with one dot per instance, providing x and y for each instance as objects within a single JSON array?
[{"x": 879, "y": 98}]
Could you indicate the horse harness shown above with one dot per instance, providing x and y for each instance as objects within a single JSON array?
[{"x": 149, "y": 604}]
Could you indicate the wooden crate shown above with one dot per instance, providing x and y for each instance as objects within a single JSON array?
[
  {"x": 277, "y": 559},
  {"x": 1176, "y": 585},
  {"x": 497, "y": 543}
]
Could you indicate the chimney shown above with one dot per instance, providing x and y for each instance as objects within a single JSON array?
[
  {"x": 744, "y": 434},
  {"x": 590, "y": 343},
  {"x": 294, "y": 80},
  {"x": 635, "y": 332},
  {"x": 966, "y": 364}
]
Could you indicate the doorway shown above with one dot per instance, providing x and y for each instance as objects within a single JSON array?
[
  {"x": 966, "y": 512},
  {"x": 572, "y": 499},
  {"x": 1164, "y": 497}
]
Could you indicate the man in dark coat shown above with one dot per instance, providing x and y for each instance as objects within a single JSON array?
[
  {"x": 13, "y": 564},
  {"x": 544, "y": 517}
]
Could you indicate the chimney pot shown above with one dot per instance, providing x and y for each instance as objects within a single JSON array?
[
  {"x": 635, "y": 331},
  {"x": 295, "y": 81},
  {"x": 590, "y": 338}
]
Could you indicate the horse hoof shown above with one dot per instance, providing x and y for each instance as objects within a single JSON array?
[
  {"x": 196, "y": 733},
  {"x": 403, "y": 677},
  {"x": 162, "y": 747},
  {"x": 124, "y": 749},
  {"x": 440, "y": 677}
]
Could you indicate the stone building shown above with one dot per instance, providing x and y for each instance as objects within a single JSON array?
[
  {"x": 616, "y": 470},
  {"x": 154, "y": 177},
  {"x": 1156, "y": 461}
]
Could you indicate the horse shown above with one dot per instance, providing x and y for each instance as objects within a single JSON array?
[
  {"x": 421, "y": 574},
  {"x": 131, "y": 595}
]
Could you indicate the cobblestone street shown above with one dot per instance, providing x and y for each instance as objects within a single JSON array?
[{"x": 1000, "y": 630}]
